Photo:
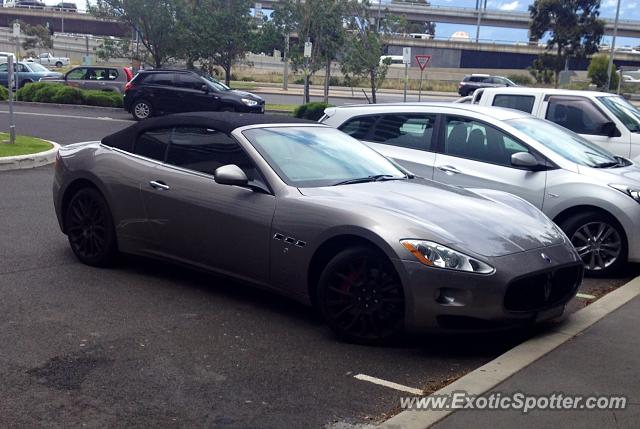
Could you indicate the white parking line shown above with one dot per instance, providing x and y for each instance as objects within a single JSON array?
[
  {"x": 585, "y": 296},
  {"x": 389, "y": 384},
  {"x": 54, "y": 115}
]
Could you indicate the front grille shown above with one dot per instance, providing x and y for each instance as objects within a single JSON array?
[{"x": 544, "y": 289}]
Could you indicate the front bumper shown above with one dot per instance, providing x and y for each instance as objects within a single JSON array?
[{"x": 524, "y": 289}]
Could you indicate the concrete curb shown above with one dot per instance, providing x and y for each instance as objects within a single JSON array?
[
  {"x": 72, "y": 106},
  {"x": 503, "y": 367},
  {"x": 33, "y": 160}
]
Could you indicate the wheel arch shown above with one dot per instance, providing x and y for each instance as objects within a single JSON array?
[
  {"x": 328, "y": 249},
  {"x": 71, "y": 189},
  {"x": 571, "y": 211}
]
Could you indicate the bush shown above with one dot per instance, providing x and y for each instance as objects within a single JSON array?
[
  {"x": 312, "y": 111},
  {"x": 68, "y": 95},
  {"x": 102, "y": 98},
  {"x": 597, "y": 72},
  {"x": 4, "y": 93},
  {"x": 46, "y": 93},
  {"x": 520, "y": 79},
  {"x": 27, "y": 92}
]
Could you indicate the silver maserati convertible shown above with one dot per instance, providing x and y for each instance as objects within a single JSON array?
[{"x": 311, "y": 213}]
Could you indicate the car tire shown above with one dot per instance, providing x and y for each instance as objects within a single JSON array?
[
  {"x": 600, "y": 241},
  {"x": 90, "y": 229},
  {"x": 58, "y": 64},
  {"x": 361, "y": 298},
  {"x": 141, "y": 110}
]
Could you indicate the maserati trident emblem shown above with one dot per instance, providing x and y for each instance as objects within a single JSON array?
[{"x": 545, "y": 257}]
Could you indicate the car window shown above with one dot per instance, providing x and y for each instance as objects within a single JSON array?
[
  {"x": 189, "y": 81},
  {"x": 466, "y": 138},
  {"x": 205, "y": 150},
  {"x": 359, "y": 128},
  {"x": 523, "y": 103},
  {"x": 160, "y": 79},
  {"x": 578, "y": 114},
  {"x": 4, "y": 67},
  {"x": 77, "y": 74},
  {"x": 153, "y": 144},
  {"x": 413, "y": 131},
  {"x": 21, "y": 68}
]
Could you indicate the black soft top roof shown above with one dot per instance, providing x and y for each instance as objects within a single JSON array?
[{"x": 221, "y": 121}]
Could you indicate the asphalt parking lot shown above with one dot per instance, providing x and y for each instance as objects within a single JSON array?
[{"x": 154, "y": 345}]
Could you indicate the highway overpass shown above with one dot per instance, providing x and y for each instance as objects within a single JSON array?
[
  {"x": 77, "y": 23},
  {"x": 469, "y": 16}
]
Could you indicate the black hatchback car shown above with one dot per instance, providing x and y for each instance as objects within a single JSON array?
[
  {"x": 474, "y": 81},
  {"x": 155, "y": 92}
]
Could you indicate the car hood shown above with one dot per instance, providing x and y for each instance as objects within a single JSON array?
[
  {"x": 629, "y": 175},
  {"x": 488, "y": 223},
  {"x": 244, "y": 94}
]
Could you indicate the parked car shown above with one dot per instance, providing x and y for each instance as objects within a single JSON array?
[
  {"x": 607, "y": 120},
  {"x": 154, "y": 92},
  {"x": 29, "y": 4},
  {"x": 26, "y": 73},
  {"x": 4, "y": 56},
  {"x": 591, "y": 194},
  {"x": 474, "y": 81},
  {"x": 104, "y": 78},
  {"x": 307, "y": 211},
  {"x": 47, "y": 59},
  {"x": 66, "y": 7}
]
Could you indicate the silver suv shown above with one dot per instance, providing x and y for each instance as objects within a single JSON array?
[{"x": 593, "y": 195}]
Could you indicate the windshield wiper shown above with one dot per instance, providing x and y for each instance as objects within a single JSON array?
[{"x": 374, "y": 178}]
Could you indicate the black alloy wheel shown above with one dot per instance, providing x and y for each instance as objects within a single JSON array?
[
  {"x": 89, "y": 228},
  {"x": 361, "y": 298}
]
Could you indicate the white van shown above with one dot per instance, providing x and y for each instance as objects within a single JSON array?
[
  {"x": 607, "y": 120},
  {"x": 396, "y": 60}
]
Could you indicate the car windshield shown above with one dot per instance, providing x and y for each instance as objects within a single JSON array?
[
  {"x": 216, "y": 84},
  {"x": 565, "y": 143},
  {"x": 317, "y": 156},
  {"x": 628, "y": 114},
  {"x": 38, "y": 68}
]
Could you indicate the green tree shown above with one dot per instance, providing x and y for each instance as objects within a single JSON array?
[
  {"x": 542, "y": 68},
  {"x": 36, "y": 36},
  {"x": 114, "y": 48},
  {"x": 267, "y": 38},
  {"x": 216, "y": 32},
  {"x": 574, "y": 28},
  {"x": 363, "y": 50},
  {"x": 597, "y": 72},
  {"x": 154, "y": 20},
  {"x": 322, "y": 23}
]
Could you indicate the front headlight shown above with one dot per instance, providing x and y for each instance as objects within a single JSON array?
[
  {"x": 632, "y": 192},
  {"x": 437, "y": 255},
  {"x": 249, "y": 102}
]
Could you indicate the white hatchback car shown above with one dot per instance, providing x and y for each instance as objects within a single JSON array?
[{"x": 593, "y": 195}]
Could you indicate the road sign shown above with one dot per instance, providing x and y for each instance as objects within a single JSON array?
[
  {"x": 423, "y": 61},
  {"x": 308, "y": 46},
  {"x": 16, "y": 29},
  {"x": 406, "y": 56}
]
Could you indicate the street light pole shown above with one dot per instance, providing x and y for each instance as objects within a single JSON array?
[
  {"x": 613, "y": 45},
  {"x": 378, "y": 23}
]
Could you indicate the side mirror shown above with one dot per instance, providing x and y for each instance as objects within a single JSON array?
[
  {"x": 525, "y": 160},
  {"x": 205, "y": 88},
  {"x": 230, "y": 175},
  {"x": 609, "y": 129}
]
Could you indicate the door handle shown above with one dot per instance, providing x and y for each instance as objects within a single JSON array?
[
  {"x": 449, "y": 169},
  {"x": 157, "y": 184}
]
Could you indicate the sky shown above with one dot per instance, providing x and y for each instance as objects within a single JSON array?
[{"x": 628, "y": 10}]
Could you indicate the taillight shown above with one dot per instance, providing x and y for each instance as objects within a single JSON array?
[
  {"x": 129, "y": 73},
  {"x": 128, "y": 86}
]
